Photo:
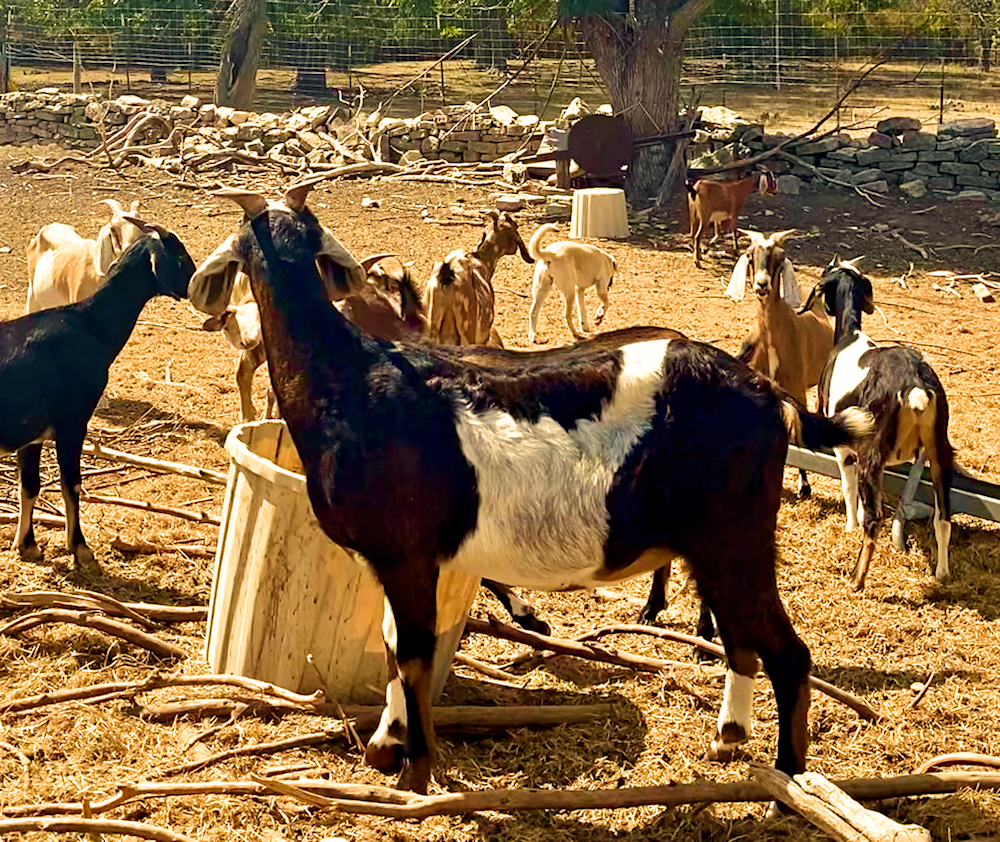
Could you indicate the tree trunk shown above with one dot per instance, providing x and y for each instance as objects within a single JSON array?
[
  {"x": 639, "y": 57},
  {"x": 237, "y": 81}
]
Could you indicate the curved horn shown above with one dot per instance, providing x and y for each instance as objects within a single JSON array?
[
  {"x": 116, "y": 208},
  {"x": 295, "y": 195},
  {"x": 372, "y": 259},
  {"x": 145, "y": 227},
  {"x": 252, "y": 203},
  {"x": 780, "y": 237},
  {"x": 853, "y": 262},
  {"x": 756, "y": 238}
]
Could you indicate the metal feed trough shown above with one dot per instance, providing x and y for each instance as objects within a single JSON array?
[{"x": 911, "y": 482}]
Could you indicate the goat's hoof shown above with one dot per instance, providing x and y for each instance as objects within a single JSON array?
[
  {"x": 415, "y": 776},
  {"x": 805, "y": 492},
  {"x": 386, "y": 757},
  {"x": 647, "y": 616},
  {"x": 30, "y": 553},
  {"x": 531, "y": 623},
  {"x": 84, "y": 558}
]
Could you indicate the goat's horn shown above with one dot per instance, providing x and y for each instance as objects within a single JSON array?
[
  {"x": 755, "y": 236},
  {"x": 780, "y": 237},
  {"x": 852, "y": 263},
  {"x": 142, "y": 225},
  {"x": 372, "y": 259},
  {"x": 295, "y": 195},
  {"x": 252, "y": 203},
  {"x": 116, "y": 208}
]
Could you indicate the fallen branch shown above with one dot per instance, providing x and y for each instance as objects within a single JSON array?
[
  {"x": 459, "y": 719},
  {"x": 114, "y": 628},
  {"x": 865, "y": 194},
  {"x": 37, "y": 518},
  {"x": 78, "y": 825},
  {"x": 832, "y": 810},
  {"x": 149, "y": 548},
  {"x": 192, "y": 471},
  {"x": 183, "y": 514},
  {"x": 360, "y": 797},
  {"x": 918, "y": 249},
  {"x": 141, "y": 612},
  {"x": 577, "y": 648},
  {"x": 961, "y": 758},
  {"x": 157, "y": 682},
  {"x": 485, "y": 669}
]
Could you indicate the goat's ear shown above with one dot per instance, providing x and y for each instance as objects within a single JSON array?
[
  {"x": 341, "y": 273},
  {"x": 106, "y": 252},
  {"x": 830, "y": 286},
  {"x": 492, "y": 218},
  {"x": 868, "y": 301},
  {"x": 814, "y": 293},
  {"x": 739, "y": 279},
  {"x": 211, "y": 285},
  {"x": 252, "y": 203}
]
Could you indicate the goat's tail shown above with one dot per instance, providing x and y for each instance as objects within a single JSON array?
[
  {"x": 918, "y": 399},
  {"x": 535, "y": 243},
  {"x": 812, "y": 431}
]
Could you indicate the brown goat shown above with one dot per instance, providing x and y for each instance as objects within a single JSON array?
[
  {"x": 719, "y": 203},
  {"x": 459, "y": 297}
]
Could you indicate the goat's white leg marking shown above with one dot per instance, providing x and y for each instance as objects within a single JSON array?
[
  {"x": 849, "y": 485},
  {"x": 735, "y": 714},
  {"x": 568, "y": 310},
  {"x": 942, "y": 531},
  {"x": 392, "y": 726}
]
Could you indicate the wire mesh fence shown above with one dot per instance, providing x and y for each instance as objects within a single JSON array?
[{"x": 339, "y": 48}]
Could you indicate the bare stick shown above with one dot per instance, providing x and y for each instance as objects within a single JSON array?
[
  {"x": 577, "y": 648},
  {"x": 138, "y": 611},
  {"x": 960, "y": 758},
  {"x": 80, "y": 825},
  {"x": 39, "y": 519},
  {"x": 918, "y": 249},
  {"x": 923, "y": 691},
  {"x": 192, "y": 471},
  {"x": 183, "y": 514},
  {"x": 833, "y": 810},
  {"x": 150, "y": 548},
  {"x": 363, "y": 797},
  {"x": 485, "y": 669},
  {"x": 311, "y": 739},
  {"x": 156, "y": 682},
  {"x": 158, "y": 647}
]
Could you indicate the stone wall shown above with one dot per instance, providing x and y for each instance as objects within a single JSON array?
[
  {"x": 959, "y": 159},
  {"x": 322, "y": 134}
]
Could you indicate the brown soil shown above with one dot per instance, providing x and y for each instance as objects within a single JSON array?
[{"x": 172, "y": 396}]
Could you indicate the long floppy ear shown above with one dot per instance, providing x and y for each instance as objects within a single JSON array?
[
  {"x": 211, "y": 286},
  {"x": 815, "y": 293},
  {"x": 252, "y": 203},
  {"x": 789, "y": 285},
  {"x": 868, "y": 301},
  {"x": 740, "y": 278},
  {"x": 295, "y": 195},
  {"x": 106, "y": 249}
]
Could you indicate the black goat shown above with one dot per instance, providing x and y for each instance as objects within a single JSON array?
[
  {"x": 553, "y": 470},
  {"x": 54, "y": 368},
  {"x": 900, "y": 389}
]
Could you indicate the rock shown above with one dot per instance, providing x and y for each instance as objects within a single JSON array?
[
  {"x": 973, "y": 154},
  {"x": 190, "y": 101},
  {"x": 368, "y": 202},
  {"x": 898, "y": 125},
  {"x": 503, "y": 115},
  {"x": 790, "y": 185},
  {"x": 915, "y": 189},
  {"x": 410, "y": 157},
  {"x": 510, "y": 202},
  {"x": 883, "y": 141},
  {"x": 968, "y": 127},
  {"x": 881, "y": 187},
  {"x": 968, "y": 196},
  {"x": 941, "y": 182},
  {"x": 819, "y": 147},
  {"x": 868, "y": 157},
  {"x": 918, "y": 140}
]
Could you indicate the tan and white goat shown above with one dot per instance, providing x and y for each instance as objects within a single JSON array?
[
  {"x": 719, "y": 203},
  {"x": 459, "y": 298},
  {"x": 64, "y": 267}
]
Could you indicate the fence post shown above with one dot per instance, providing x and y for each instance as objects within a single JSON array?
[
  {"x": 4, "y": 58},
  {"x": 77, "y": 69}
]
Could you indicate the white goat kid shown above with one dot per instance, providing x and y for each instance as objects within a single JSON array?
[
  {"x": 571, "y": 268},
  {"x": 64, "y": 268}
]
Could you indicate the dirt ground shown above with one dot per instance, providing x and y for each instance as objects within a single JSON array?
[{"x": 172, "y": 396}]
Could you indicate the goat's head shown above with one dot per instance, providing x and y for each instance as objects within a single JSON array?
[
  {"x": 766, "y": 261},
  {"x": 301, "y": 236},
  {"x": 844, "y": 288},
  {"x": 167, "y": 260},
  {"x": 501, "y": 234},
  {"x": 767, "y": 186},
  {"x": 456, "y": 267},
  {"x": 115, "y": 236}
]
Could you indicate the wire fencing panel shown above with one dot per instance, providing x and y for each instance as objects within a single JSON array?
[{"x": 378, "y": 45}]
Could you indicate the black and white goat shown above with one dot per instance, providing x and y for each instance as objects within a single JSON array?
[
  {"x": 557, "y": 469},
  {"x": 54, "y": 368},
  {"x": 900, "y": 389}
]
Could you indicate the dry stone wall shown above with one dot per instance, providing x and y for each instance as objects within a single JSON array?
[{"x": 322, "y": 134}]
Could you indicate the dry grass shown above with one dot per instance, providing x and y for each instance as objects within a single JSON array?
[{"x": 876, "y": 645}]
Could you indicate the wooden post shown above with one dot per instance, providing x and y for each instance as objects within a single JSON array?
[
  {"x": 77, "y": 69},
  {"x": 4, "y": 60}
]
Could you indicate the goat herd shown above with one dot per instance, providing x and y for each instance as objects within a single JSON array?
[{"x": 426, "y": 444}]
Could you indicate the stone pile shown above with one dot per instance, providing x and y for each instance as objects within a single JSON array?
[{"x": 319, "y": 134}]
